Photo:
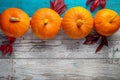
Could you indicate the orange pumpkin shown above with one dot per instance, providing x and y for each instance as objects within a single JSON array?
[
  {"x": 14, "y": 22},
  {"x": 77, "y": 22},
  {"x": 106, "y": 22},
  {"x": 46, "y": 23}
]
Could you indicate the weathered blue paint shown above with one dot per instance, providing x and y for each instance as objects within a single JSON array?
[{"x": 30, "y": 6}]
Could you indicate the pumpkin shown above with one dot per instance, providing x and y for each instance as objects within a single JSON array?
[
  {"x": 14, "y": 22},
  {"x": 106, "y": 22},
  {"x": 46, "y": 23},
  {"x": 77, "y": 22}
]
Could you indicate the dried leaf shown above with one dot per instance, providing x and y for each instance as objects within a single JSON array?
[
  {"x": 7, "y": 47},
  {"x": 92, "y": 38},
  {"x": 51, "y": 4},
  {"x": 58, "y": 5},
  {"x": 102, "y": 43},
  {"x": 94, "y": 5},
  {"x": 99, "y": 47},
  {"x": 11, "y": 40},
  {"x": 105, "y": 41},
  {"x": 103, "y": 3}
]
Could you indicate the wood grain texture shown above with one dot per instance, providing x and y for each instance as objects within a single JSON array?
[
  {"x": 6, "y": 69},
  {"x": 60, "y": 69},
  {"x": 29, "y": 46},
  {"x": 67, "y": 69}
]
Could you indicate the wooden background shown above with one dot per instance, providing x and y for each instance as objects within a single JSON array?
[{"x": 61, "y": 58}]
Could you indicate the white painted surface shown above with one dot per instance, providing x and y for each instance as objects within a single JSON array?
[{"x": 61, "y": 59}]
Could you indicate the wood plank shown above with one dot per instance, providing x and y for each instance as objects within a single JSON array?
[
  {"x": 67, "y": 69},
  {"x": 6, "y": 69},
  {"x": 61, "y": 36},
  {"x": 33, "y": 5},
  {"x": 61, "y": 47},
  {"x": 64, "y": 49}
]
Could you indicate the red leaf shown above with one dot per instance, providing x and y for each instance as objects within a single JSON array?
[
  {"x": 103, "y": 3},
  {"x": 51, "y": 4},
  {"x": 105, "y": 41},
  {"x": 102, "y": 43},
  {"x": 4, "y": 50},
  {"x": 7, "y": 48},
  {"x": 11, "y": 40},
  {"x": 56, "y": 2},
  {"x": 58, "y": 5},
  {"x": 99, "y": 48},
  {"x": 62, "y": 10},
  {"x": 92, "y": 38},
  {"x": 94, "y": 5}
]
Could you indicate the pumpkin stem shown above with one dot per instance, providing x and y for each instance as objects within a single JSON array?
[
  {"x": 80, "y": 22},
  {"x": 45, "y": 21},
  {"x": 13, "y": 19},
  {"x": 111, "y": 20}
]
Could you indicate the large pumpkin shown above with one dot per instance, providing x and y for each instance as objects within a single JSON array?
[
  {"x": 77, "y": 22},
  {"x": 106, "y": 22},
  {"x": 46, "y": 23},
  {"x": 14, "y": 22}
]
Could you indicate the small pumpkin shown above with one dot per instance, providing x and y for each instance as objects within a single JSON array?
[
  {"x": 46, "y": 23},
  {"x": 77, "y": 22},
  {"x": 106, "y": 22},
  {"x": 14, "y": 22}
]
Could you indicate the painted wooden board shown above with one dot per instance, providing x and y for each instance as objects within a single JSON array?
[
  {"x": 29, "y": 46},
  {"x": 6, "y": 69},
  {"x": 30, "y": 6},
  {"x": 65, "y": 69}
]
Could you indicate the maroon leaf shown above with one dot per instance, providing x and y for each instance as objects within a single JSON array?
[
  {"x": 58, "y": 5},
  {"x": 94, "y": 5},
  {"x": 62, "y": 10},
  {"x": 91, "y": 39},
  {"x": 94, "y": 38},
  {"x": 102, "y": 43},
  {"x": 6, "y": 50},
  {"x": 99, "y": 47},
  {"x": 7, "y": 47},
  {"x": 51, "y": 4},
  {"x": 56, "y": 2},
  {"x": 105, "y": 41},
  {"x": 11, "y": 40},
  {"x": 103, "y": 3}
]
